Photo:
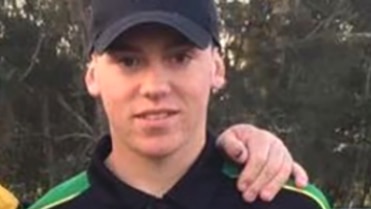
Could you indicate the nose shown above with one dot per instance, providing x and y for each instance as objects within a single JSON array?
[{"x": 155, "y": 85}]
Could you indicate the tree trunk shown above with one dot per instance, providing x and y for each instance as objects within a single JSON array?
[
  {"x": 368, "y": 80},
  {"x": 48, "y": 141}
]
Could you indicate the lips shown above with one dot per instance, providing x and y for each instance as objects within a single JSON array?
[{"x": 158, "y": 114}]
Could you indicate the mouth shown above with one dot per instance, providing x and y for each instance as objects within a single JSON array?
[{"x": 153, "y": 115}]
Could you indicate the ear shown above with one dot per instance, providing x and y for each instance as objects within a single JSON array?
[
  {"x": 91, "y": 79},
  {"x": 218, "y": 81}
]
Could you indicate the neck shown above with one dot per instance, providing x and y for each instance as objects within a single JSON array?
[{"x": 154, "y": 176}]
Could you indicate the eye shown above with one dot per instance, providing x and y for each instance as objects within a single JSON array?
[
  {"x": 129, "y": 61},
  {"x": 181, "y": 58}
]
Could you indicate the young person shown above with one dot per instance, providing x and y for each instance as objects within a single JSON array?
[{"x": 153, "y": 65}]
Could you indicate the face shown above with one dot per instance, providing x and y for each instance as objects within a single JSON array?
[{"x": 155, "y": 86}]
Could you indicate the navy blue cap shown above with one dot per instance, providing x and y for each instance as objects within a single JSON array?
[{"x": 197, "y": 20}]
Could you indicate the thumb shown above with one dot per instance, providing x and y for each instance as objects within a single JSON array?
[{"x": 234, "y": 148}]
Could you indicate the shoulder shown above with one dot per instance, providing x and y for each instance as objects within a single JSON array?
[
  {"x": 290, "y": 196},
  {"x": 63, "y": 193},
  {"x": 311, "y": 196}
]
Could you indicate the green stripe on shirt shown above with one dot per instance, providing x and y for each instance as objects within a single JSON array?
[{"x": 63, "y": 192}]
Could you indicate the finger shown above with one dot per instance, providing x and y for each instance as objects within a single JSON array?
[
  {"x": 276, "y": 158},
  {"x": 236, "y": 150},
  {"x": 300, "y": 175},
  {"x": 258, "y": 155},
  {"x": 233, "y": 147},
  {"x": 275, "y": 185}
]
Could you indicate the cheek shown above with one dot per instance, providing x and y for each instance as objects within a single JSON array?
[
  {"x": 115, "y": 90},
  {"x": 201, "y": 80},
  {"x": 111, "y": 81},
  {"x": 197, "y": 86}
]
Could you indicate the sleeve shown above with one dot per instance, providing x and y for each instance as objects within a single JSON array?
[{"x": 7, "y": 199}]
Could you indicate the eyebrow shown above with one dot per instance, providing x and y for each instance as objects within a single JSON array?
[
  {"x": 180, "y": 49},
  {"x": 122, "y": 46},
  {"x": 179, "y": 43}
]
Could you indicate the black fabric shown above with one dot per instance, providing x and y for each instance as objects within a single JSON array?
[
  {"x": 201, "y": 175},
  {"x": 204, "y": 186},
  {"x": 196, "y": 19}
]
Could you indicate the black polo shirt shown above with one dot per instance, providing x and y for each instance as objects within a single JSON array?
[{"x": 206, "y": 185}]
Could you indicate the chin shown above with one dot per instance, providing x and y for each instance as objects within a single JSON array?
[
  {"x": 159, "y": 147},
  {"x": 157, "y": 151}
]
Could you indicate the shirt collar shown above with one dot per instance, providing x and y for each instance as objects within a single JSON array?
[
  {"x": 197, "y": 187},
  {"x": 194, "y": 190}
]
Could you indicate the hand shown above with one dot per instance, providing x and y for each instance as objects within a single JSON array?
[{"x": 268, "y": 163}]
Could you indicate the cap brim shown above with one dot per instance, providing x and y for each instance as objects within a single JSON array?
[{"x": 199, "y": 36}]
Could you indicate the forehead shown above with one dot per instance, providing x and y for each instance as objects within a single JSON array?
[{"x": 150, "y": 33}]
